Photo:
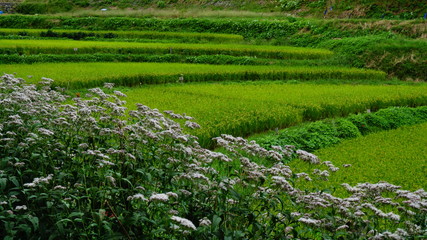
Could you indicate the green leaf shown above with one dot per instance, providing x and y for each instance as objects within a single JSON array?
[
  {"x": 14, "y": 181},
  {"x": 3, "y": 182},
  {"x": 35, "y": 221}
]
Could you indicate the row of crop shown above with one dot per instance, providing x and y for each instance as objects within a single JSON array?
[
  {"x": 82, "y": 34},
  {"x": 247, "y": 28},
  {"x": 77, "y": 75},
  {"x": 108, "y": 57},
  {"x": 243, "y": 109},
  {"x": 171, "y": 58},
  {"x": 69, "y": 46},
  {"x": 317, "y": 101}
]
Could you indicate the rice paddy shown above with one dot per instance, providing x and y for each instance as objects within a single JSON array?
[
  {"x": 77, "y": 75},
  {"x": 72, "y": 46},
  {"x": 244, "y": 109},
  {"x": 58, "y": 33},
  {"x": 396, "y": 156}
]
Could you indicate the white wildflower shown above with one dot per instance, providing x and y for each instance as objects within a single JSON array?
[
  {"x": 185, "y": 192},
  {"x": 23, "y": 207},
  {"x": 19, "y": 164},
  {"x": 31, "y": 185},
  {"x": 204, "y": 222},
  {"x": 105, "y": 162},
  {"x": 192, "y": 125},
  {"x": 172, "y": 194},
  {"x": 46, "y": 132},
  {"x": 161, "y": 197},
  {"x": 59, "y": 187},
  {"x": 309, "y": 221},
  {"x": 137, "y": 196},
  {"x": 108, "y": 85},
  {"x": 342, "y": 227},
  {"x": 232, "y": 201},
  {"x": 184, "y": 222},
  {"x": 295, "y": 214},
  {"x": 112, "y": 180},
  {"x": 306, "y": 156},
  {"x": 119, "y": 94}
]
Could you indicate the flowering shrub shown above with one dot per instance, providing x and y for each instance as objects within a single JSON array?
[{"x": 95, "y": 170}]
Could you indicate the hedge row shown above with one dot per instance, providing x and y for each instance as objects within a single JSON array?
[
  {"x": 247, "y": 28},
  {"x": 321, "y": 134}
]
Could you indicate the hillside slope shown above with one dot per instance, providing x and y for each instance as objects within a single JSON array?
[{"x": 379, "y": 9}]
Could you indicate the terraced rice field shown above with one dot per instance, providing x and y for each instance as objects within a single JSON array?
[
  {"x": 77, "y": 75},
  {"x": 242, "y": 109},
  {"x": 396, "y": 156},
  {"x": 122, "y": 34},
  {"x": 71, "y": 46}
]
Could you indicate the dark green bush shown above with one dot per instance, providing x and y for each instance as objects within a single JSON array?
[
  {"x": 346, "y": 129},
  {"x": 31, "y": 8},
  {"x": 320, "y": 134}
]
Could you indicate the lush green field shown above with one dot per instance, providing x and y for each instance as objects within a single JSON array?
[
  {"x": 70, "y": 46},
  {"x": 78, "y": 75},
  {"x": 121, "y": 34},
  {"x": 84, "y": 167},
  {"x": 396, "y": 156},
  {"x": 243, "y": 109}
]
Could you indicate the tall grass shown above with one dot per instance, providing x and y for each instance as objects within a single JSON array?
[
  {"x": 243, "y": 109},
  {"x": 69, "y": 46},
  {"x": 79, "y": 75},
  {"x": 396, "y": 156},
  {"x": 123, "y": 34}
]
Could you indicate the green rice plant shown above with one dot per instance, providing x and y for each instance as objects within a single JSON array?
[
  {"x": 77, "y": 47},
  {"x": 80, "y": 75},
  {"x": 243, "y": 109},
  {"x": 201, "y": 59},
  {"x": 70, "y": 33},
  {"x": 396, "y": 156}
]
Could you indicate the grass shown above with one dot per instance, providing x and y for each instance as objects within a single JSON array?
[
  {"x": 70, "y": 46},
  {"x": 396, "y": 156},
  {"x": 175, "y": 13},
  {"x": 243, "y": 109},
  {"x": 127, "y": 34},
  {"x": 77, "y": 75}
]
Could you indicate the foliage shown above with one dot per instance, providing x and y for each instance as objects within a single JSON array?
[
  {"x": 398, "y": 57},
  {"x": 248, "y": 28},
  {"x": 241, "y": 109},
  {"x": 107, "y": 57},
  {"x": 95, "y": 170},
  {"x": 69, "y": 46},
  {"x": 289, "y": 5},
  {"x": 82, "y": 34},
  {"x": 77, "y": 75},
  {"x": 395, "y": 9},
  {"x": 52, "y": 6},
  {"x": 321, "y": 134}
]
